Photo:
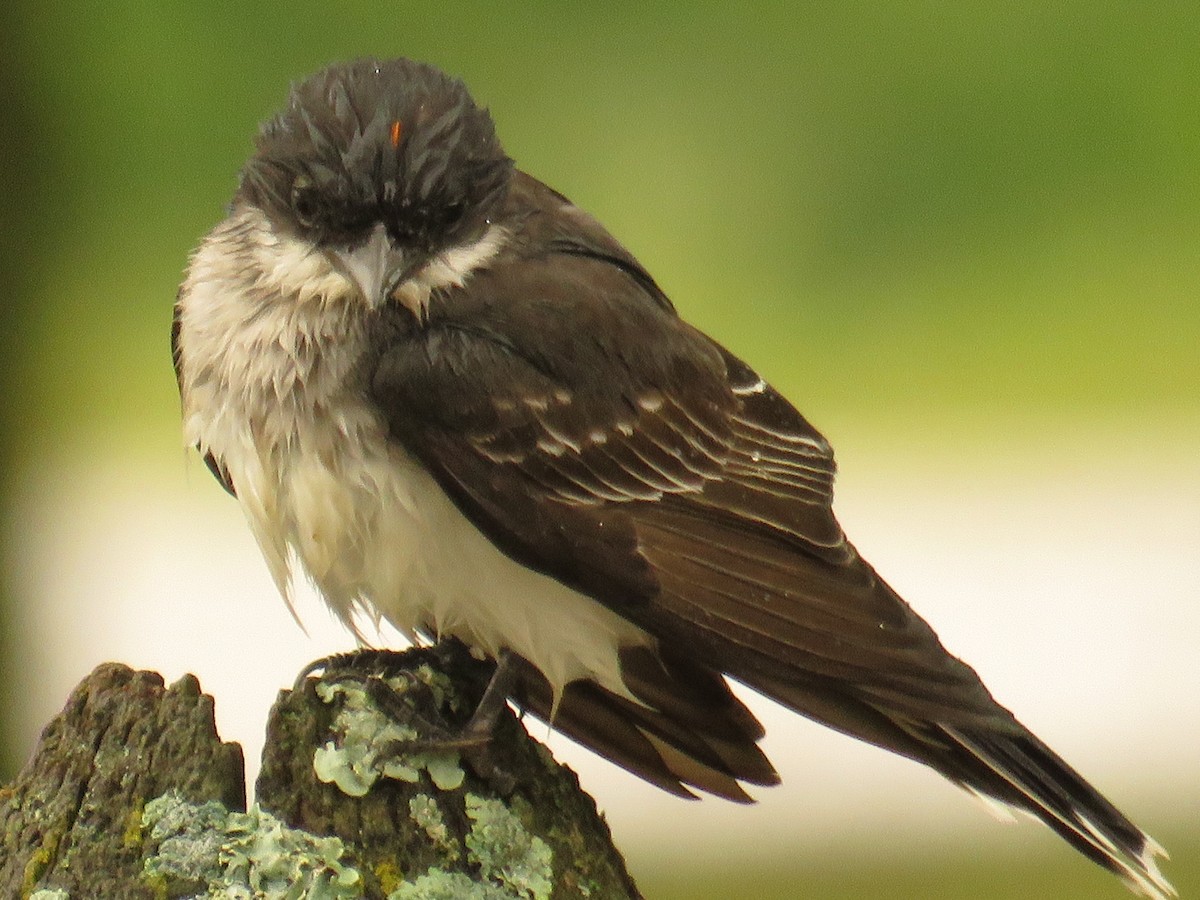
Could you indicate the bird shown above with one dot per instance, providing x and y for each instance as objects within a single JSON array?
[{"x": 452, "y": 400}]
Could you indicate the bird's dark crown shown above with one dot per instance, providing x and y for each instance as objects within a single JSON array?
[{"x": 391, "y": 141}]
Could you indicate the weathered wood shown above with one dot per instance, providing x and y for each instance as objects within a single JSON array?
[
  {"x": 72, "y": 817},
  {"x": 131, "y": 794},
  {"x": 528, "y": 808}
]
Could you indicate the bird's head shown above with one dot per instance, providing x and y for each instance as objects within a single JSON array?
[{"x": 388, "y": 170}]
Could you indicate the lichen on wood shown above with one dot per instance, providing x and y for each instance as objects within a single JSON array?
[{"x": 132, "y": 794}]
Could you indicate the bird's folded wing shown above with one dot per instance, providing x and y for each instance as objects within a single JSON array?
[{"x": 595, "y": 437}]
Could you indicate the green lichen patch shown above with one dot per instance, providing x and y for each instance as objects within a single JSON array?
[
  {"x": 426, "y": 813},
  {"x": 506, "y": 851},
  {"x": 38, "y": 862},
  {"x": 205, "y": 851},
  {"x": 438, "y": 885},
  {"x": 368, "y": 741},
  {"x": 513, "y": 864},
  {"x": 50, "y": 894}
]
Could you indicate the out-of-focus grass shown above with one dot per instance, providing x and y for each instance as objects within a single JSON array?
[
  {"x": 952, "y": 876},
  {"x": 943, "y": 206}
]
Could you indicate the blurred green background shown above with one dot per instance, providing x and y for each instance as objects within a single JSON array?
[{"x": 933, "y": 225}]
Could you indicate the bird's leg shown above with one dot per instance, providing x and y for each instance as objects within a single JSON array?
[{"x": 479, "y": 728}]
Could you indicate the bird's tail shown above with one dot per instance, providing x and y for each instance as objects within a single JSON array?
[
  {"x": 1022, "y": 771},
  {"x": 683, "y": 728},
  {"x": 996, "y": 757}
]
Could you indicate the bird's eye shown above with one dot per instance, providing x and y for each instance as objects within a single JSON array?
[
  {"x": 304, "y": 201},
  {"x": 452, "y": 215}
]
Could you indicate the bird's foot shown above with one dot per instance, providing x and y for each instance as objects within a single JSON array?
[
  {"x": 424, "y": 704},
  {"x": 473, "y": 741},
  {"x": 357, "y": 665}
]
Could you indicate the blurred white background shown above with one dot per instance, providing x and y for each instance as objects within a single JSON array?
[{"x": 1063, "y": 566}]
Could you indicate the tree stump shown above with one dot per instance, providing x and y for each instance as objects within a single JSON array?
[{"x": 132, "y": 794}]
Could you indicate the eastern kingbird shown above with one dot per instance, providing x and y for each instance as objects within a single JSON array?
[{"x": 456, "y": 403}]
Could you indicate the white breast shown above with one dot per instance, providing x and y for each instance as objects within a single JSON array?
[{"x": 270, "y": 389}]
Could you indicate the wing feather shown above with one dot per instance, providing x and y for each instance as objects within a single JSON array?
[{"x": 674, "y": 486}]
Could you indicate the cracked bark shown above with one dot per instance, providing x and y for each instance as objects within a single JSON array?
[{"x": 71, "y": 818}]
